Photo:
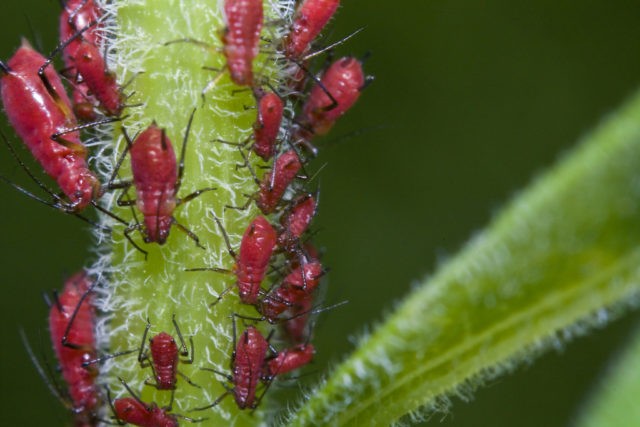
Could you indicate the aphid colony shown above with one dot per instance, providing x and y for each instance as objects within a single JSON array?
[{"x": 49, "y": 122}]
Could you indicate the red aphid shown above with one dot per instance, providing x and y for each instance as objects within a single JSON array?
[
  {"x": 71, "y": 324},
  {"x": 275, "y": 183},
  {"x": 256, "y": 248},
  {"x": 279, "y": 300},
  {"x": 293, "y": 295},
  {"x": 305, "y": 277},
  {"x": 296, "y": 221},
  {"x": 37, "y": 116},
  {"x": 244, "y": 19},
  {"x": 310, "y": 19},
  {"x": 247, "y": 363},
  {"x": 270, "y": 109},
  {"x": 289, "y": 360},
  {"x": 164, "y": 356},
  {"x": 154, "y": 168},
  {"x": 247, "y": 367},
  {"x": 78, "y": 15},
  {"x": 133, "y": 411},
  {"x": 343, "y": 80},
  {"x": 296, "y": 327},
  {"x": 101, "y": 83}
]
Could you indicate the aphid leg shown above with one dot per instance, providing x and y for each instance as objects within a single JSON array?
[
  {"x": 143, "y": 357},
  {"x": 56, "y": 51},
  {"x": 57, "y": 137},
  {"x": 184, "y": 352},
  {"x": 65, "y": 336},
  {"x": 183, "y": 150},
  {"x": 48, "y": 377},
  {"x": 127, "y": 233},
  {"x": 113, "y": 410},
  {"x": 188, "y": 232}
]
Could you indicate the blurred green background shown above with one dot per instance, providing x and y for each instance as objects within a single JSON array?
[{"x": 471, "y": 100}]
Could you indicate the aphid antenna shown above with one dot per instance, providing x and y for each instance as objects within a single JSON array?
[
  {"x": 128, "y": 82},
  {"x": 332, "y": 45},
  {"x": 57, "y": 206},
  {"x": 189, "y": 419},
  {"x": 47, "y": 376},
  {"x": 215, "y": 402},
  {"x": 131, "y": 392},
  {"x": 56, "y": 136},
  {"x": 32, "y": 31},
  {"x": 102, "y": 359},
  {"x": 313, "y": 77}
]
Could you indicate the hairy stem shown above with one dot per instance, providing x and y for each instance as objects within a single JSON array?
[{"x": 168, "y": 80}]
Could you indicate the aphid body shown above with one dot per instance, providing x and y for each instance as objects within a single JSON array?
[
  {"x": 153, "y": 163},
  {"x": 275, "y": 183},
  {"x": 138, "y": 413},
  {"x": 256, "y": 248},
  {"x": 79, "y": 15},
  {"x": 37, "y": 115},
  {"x": 344, "y": 80},
  {"x": 310, "y": 19},
  {"x": 71, "y": 324},
  {"x": 289, "y": 360},
  {"x": 244, "y": 19},
  {"x": 296, "y": 221},
  {"x": 247, "y": 362},
  {"x": 100, "y": 82},
  {"x": 270, "y": 110},
  {"x": 164, "y": 354}
]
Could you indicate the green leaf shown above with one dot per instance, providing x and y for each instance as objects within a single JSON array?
[
  {"x": 616, "y": 401},
  {"x": 553, "y": 263}
]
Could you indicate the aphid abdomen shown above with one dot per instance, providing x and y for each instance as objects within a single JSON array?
[
  {"x": 153, "y": 163},
  {"x": 164, "y": 354},
  {"x": 256, "y": 248},
  {"x": 310, "y": 19},
  {"x": 101, "y": 83},
  {"x": 241, "y": 38}
]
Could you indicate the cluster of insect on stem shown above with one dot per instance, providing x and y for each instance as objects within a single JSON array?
[{"x": 276, "y": 269}]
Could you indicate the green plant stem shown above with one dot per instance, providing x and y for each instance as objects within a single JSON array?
[
  {"x": 550, "y": 265},
  {"x": 167, "y": 80}
]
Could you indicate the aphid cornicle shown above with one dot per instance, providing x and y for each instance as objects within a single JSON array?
[
  {"x": 241, "y": 38},
  {"x": 44, "y": 121},
  {"x": 71, "y": 325},
  {"x": 343, "y": 80},
  {"x": 308, "y": 22}
]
